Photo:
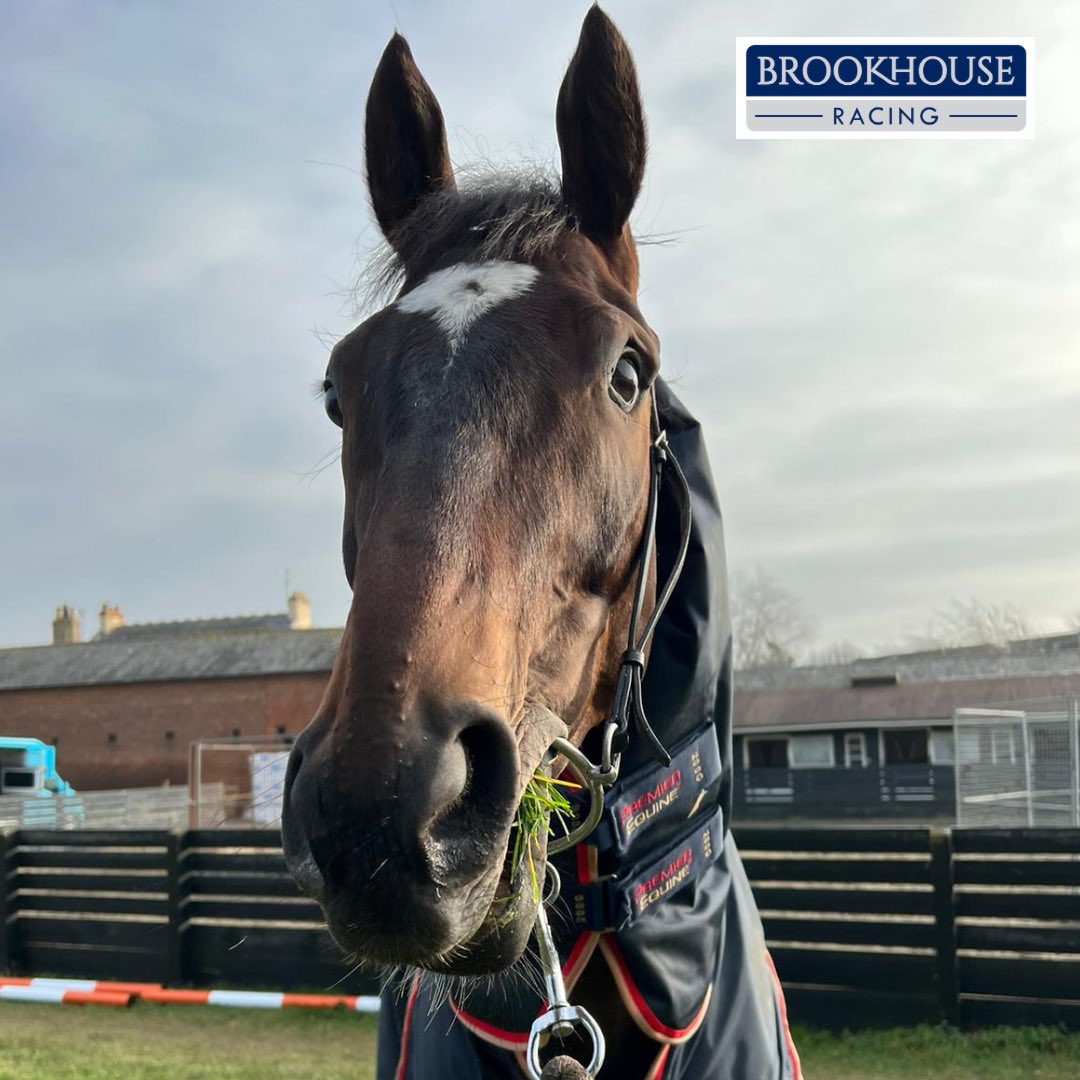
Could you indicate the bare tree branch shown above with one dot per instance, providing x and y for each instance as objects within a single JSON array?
[
  {"x": 769, "y": 623},
  {"x": 973, "y": 622},
  {"x": 839, "y": 652}
]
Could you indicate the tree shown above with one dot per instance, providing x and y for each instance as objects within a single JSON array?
[
  {"x": 768, "y": 621},
  {"x": 973, "y": 622},
  {"x": 839, "y": 652}
]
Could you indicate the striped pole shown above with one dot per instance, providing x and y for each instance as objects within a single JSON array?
[
  {"x": 88, "y": 986},
  {"x": 56, "y": 991},
  {"x": 55, "y": 995},
  {"x": 261, "y": 999}
]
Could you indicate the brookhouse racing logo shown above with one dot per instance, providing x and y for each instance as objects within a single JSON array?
[{"x": 822, "y": 88}]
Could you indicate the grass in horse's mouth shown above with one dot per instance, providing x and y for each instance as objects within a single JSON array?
[{"x": 542, "y": 806}]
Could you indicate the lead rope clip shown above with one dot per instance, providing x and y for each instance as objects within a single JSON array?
[{"x": 560, "y": 1019}]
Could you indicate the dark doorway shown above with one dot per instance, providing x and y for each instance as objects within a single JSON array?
[{"x": 907, "y": 747}]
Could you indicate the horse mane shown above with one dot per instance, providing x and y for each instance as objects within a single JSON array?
[{"x": 502, "y": 215}]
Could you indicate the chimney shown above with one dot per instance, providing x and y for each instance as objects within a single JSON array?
[
  {"x": 109, "y": 619},
  {"x": 299, "y": 612},
  {"x": 66, "y": 628}
]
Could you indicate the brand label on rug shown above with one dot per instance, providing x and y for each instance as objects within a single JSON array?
[
  {"x": 645, "y": 807},
  {"x": 869, "y": 88},
  {"x": 687, "y": 863},
  {"x": 664, "y": 797}
]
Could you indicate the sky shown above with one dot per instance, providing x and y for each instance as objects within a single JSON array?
[{"x": 882, "y": 340}]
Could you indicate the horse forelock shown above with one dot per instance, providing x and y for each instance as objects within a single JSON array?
[{"x": 492, "y": 217}]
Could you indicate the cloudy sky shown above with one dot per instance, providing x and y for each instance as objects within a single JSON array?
[{"x": 883, "y": 339}]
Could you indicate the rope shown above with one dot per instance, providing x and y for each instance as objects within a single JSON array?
[{"x": 565, "y": 1068}]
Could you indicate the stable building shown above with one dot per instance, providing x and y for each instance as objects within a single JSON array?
[{"x": 874, "y": 739}]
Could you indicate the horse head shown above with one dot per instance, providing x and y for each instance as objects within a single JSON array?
[{"x": 496, "y": 437}]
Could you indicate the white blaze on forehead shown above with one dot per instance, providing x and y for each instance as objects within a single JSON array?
[{"x": 459, "y": 295}]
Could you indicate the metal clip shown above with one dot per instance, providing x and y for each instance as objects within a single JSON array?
[
  {"x": 560, "y": 1018},
  {"x": 594, "y": 779}
]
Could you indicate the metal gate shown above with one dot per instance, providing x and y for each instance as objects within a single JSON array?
[
  {"x": 250, "y": 770},
  {"x": 1019, "y": 765}
]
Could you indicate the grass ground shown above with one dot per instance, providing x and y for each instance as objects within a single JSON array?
[
  {"x": 939, "y": 1053},
  {"x": 146, "y": 1042},
  {"x": 155, "y": 1042}
]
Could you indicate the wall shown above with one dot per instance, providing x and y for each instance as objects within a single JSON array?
[{"x": 80, "y": 719}]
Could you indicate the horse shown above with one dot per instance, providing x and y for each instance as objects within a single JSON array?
[{"x": 506, "y": 531}]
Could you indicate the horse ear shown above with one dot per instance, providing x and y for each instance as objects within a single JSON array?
[
  {"x": 404, "y": 138},
  {"x": 601, "y": 130}
]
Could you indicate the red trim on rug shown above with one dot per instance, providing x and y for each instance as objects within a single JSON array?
[
  {"x": 505, "y": 1040},
  {"x": 575, "y": 963},
  {"x": 660, "y": 1064},
  {"x": 789, "y": 1042},
  {"x": 638, "y": 1007},
  {"x": 403, "y": 1057},
  {"x": 581, "y": 852},
  {"x": 579, "y": 957}
]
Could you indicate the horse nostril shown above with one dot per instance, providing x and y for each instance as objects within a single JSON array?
[
  {"x": 296, "y": 759},
  {"x": 485, "y": 801}
]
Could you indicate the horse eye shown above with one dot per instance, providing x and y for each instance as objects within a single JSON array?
[
  {"x": 624, "y": 386},
  {"x": 330, "y": 402}
]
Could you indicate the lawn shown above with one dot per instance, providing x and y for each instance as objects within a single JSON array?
[
  {"x": 147, "y": 1042},
  {"x": 172, "y": 1042},
  {"x": 939, "y": 1053}
]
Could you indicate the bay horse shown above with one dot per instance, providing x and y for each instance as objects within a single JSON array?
[{"x": 500, "y": 419}]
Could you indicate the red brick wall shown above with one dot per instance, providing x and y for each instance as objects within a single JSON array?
[{"x": 139, "y": 715}]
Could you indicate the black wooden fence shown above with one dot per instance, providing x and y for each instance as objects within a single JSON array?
[
  {"x": 207, "y": 907},
  {"x": 866, "y": 925},
  {"x": 972, "y": 926}
]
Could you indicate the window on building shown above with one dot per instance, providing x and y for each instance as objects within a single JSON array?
[
  {"x": 811, "y": 752},
  {"x": 236, "y": 733},
  {"x": 969, "y": 747},
  {"x": 55, "y": 740},
  {"x": 1003, "y": 746},
  {"x": 1049, "y": 742},
  {"x": 858, "y": 681},
  {"x": 988, "y": 746},
  {"x": 906, "y": 747},
  {"x": 855, "y": 756},
  {"x": 767, "y": 753},
  {"x": 942, "y": 747},
  {"x": 111, "y": 738},
  {"x": 170, "y": 736},
  {"x": 282, "y": 729}
]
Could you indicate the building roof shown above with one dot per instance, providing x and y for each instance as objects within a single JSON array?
[
  {"x": 166, "y": 658},
  {"x": 227, "y": 625},
  {"x": 928, "y": 685},
  {"x": 783, "y": 710},
  {"x": 1055, "y": 655}
]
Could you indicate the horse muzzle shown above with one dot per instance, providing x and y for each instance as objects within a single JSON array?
[{"x": 401, "y": 838}]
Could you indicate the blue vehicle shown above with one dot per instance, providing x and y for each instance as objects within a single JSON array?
[{"x": 28, "y": 767}]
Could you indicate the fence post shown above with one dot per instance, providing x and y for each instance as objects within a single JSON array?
[
  {"x": 1075, "y": 785},
  {"x": 175, "y": 959},
  {"x": 9, "y": 926},
  {"x": 941, "y": 878}
]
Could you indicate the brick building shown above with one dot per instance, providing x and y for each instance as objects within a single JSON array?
[{"x": 124, "y": 708}]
